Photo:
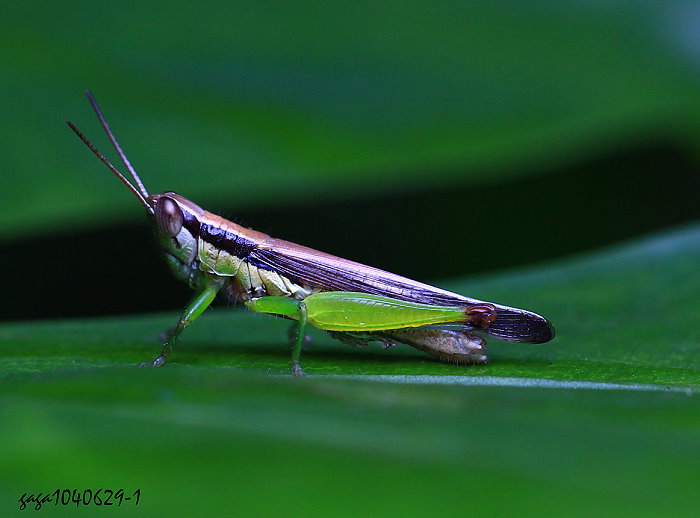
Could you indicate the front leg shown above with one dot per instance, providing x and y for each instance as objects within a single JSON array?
[{"x": 196, "y": 308}]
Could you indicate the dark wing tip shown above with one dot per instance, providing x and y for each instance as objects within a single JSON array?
[{"x": 521, "y": 326}]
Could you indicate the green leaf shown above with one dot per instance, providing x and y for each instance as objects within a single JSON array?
[
  {"x": 602, "y": 420},
  {"x": 244, "y": 105}
]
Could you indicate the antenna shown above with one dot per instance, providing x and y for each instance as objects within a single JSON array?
[
  {"x": 116, "y": 144},
  {"x": 111, "y": 167}
]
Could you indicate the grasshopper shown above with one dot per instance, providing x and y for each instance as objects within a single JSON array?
[{"x": 353, "y": 302}]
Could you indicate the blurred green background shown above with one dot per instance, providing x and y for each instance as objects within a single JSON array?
[{"x": 543, "y": 155}]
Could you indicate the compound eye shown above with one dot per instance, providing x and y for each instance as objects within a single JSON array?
[{"x": 169, "y": 217}]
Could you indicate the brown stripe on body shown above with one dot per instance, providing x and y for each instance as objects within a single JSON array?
[{"x": 228, "y": 236}]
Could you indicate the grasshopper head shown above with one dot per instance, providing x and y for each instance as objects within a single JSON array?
[{"x": 175, "y": 224}]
